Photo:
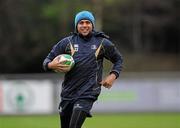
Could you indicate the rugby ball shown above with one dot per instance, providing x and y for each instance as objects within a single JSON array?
[{"x": 66, "y": 59}]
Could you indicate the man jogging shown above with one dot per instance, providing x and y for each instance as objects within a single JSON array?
[{"x": 82, "y": 84}]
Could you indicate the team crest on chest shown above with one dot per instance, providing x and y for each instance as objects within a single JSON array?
[
  {"x": 76, "y": 47},
  {"x": 93, "y": 46}
]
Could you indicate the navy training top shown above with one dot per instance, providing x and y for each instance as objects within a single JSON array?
[{"x": 83, "y": 80}]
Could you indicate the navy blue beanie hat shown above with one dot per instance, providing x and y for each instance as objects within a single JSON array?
[{"x": 84, "y": 15}]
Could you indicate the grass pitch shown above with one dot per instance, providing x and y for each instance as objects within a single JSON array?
[{"x": 125, "y": 120}]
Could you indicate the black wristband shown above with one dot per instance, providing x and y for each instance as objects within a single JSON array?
[{"x": 115, "y": 73}]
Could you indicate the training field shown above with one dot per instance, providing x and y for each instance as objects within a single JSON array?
[{"x": 125, "y": 120}]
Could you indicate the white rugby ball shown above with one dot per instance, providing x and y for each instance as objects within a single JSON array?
[{"x": 66, "y": 59}]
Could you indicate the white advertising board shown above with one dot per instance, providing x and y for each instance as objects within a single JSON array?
[
  {"x": 140, "y": 95},
  {"x": 26, "y": 96}
]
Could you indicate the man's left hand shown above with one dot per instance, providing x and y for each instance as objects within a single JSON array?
[{"x": 108, "y": 81}]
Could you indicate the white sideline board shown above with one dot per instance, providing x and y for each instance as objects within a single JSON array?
[{"x": 26, "y": 96}]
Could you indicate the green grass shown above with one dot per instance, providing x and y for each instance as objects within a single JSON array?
[{"x": 130, "y": 120}]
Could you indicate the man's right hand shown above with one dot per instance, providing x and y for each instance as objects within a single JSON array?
[{"x": 57, "y": 66}]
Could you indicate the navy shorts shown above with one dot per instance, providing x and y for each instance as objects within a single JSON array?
[{"x": 67, "y": 107}]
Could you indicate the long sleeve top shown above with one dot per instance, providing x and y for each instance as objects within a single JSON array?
[{"x": 83, "y": 80}]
